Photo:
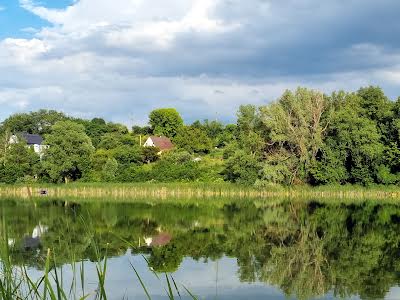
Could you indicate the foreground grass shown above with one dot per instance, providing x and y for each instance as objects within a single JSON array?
[{"x": 163, "y": 191}]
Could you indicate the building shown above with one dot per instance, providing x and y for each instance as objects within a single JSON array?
[
  {"x": 32, "y": 140},
  {"x": 161, "y": 142}
]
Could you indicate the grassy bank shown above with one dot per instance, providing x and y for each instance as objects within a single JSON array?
[{"x": 165, "y": 191}]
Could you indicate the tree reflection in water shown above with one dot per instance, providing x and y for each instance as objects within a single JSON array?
[{"x": 307, "y": 249}]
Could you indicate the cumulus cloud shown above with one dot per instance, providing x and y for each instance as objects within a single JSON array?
[{"x": 119, "y": 59}]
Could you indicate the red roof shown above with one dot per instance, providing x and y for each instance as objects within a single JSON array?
[
  {"x": 162, "y": 142},
  {"x": 161, "y": 240}
]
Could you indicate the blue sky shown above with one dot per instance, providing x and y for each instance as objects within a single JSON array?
[
  {"x": 120, "y": 59},
  {"x": 14, "y": 20}
]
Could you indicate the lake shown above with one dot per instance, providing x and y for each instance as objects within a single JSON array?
[{"x": 216, "y": 249}]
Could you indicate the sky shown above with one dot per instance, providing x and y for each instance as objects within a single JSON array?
[{"x": 121, "y": 59}]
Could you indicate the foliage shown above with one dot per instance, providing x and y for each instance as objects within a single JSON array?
[
  {"x": 304, "y": 137},
  {"x": 193, "y": 140},
  {"x": 39, "y": 122},
  {"x": 109, "y": 170},
  {"x": 69, "y": 153},
  {"x": 165, "y": 121},
  {"x": 18, "y": 162},
  {"x": 150, "y": 154},
  {"x": 296, "y": 124}
]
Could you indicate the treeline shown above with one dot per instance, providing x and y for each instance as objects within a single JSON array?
[
  {"x": 304, "y": 137},
  {"x": 99, "y": 151}
]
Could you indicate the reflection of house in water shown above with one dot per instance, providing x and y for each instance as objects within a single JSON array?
[
  {"x": 159, "y": 240},
  {"x": 33, "y": 242}
]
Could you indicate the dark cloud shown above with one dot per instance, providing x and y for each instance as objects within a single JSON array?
[{"x": 205, "y": 59}]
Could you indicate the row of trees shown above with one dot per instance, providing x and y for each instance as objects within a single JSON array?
[
  {"x": 97, "y": 151},
  {"x": 308, "y": 137},
  {"x": 305, "y": 137}
]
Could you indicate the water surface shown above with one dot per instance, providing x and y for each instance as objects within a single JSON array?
[{"x": 221, "y": 250}]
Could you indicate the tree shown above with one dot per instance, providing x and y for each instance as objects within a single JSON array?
[
  {"x": 20, "y": 162},
  {"x": 69, "y": 154},
  {"x": 38, "y": 122},
  {"x": 242, "y": 168},
  {"x": 145, "y": 130},
  {"x": 109, "y": 170},
  {"x": 126, "y": 155},
  {"x": 114, "y": 140},
  {"x": 352, "y": 143},
  {"x": 165, "y": 121},
  {"x": 296, "y": 125},
  {"x": 193, "y": 140},
  {"x": 95, "y": 129},
  {"x": 150, "y": 154}
]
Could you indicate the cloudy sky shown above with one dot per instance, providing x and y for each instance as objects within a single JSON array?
[{"x": 120, "y": 59}]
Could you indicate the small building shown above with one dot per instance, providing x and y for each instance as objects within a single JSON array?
[
  {"x": 161, "y": 142},
  {"x": 32, "y": 140},
  {"x": 162, "y": 239}
]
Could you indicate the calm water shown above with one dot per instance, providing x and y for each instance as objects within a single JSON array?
[{"x": 235, "y": 250}]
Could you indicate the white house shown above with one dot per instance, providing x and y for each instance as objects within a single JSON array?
[
  {"x": 32, "y": 140},
  {"x": 161, "y": 142}
]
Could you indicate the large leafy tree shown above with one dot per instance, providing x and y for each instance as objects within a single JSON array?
[
  {"x": 245, "y": 153},
  {"x": 295, "y": 127},
  {"x": 69, "y": 154},
  {"x": 18, "y": 163},
  {"x": 165, "y": 121},
  {"x": 353, "y": 149}
]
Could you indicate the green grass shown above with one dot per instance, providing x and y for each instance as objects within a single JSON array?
[{"x": 195, "y": 191}]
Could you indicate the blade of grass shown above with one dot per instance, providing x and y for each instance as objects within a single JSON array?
[
  {"x": 169, "y": 292},
  {"x": 190, "y": 294},
  {"x": 176, "y": 287},
  {"x": 140, "y": 280}
]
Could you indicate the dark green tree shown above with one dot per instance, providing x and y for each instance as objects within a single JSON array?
[
  {"x": 193, "y": 140},
  {"x": 165, "y": 121},
  {"x": 69, "y": 154}
]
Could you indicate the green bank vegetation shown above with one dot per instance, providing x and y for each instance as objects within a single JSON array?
[
  {"x": 193, "y": 192},
  {"x": 303, "y": 138}
]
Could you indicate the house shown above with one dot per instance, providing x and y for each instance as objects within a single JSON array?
[
  {"x": 162, "y": 239},
  {"x": 32, "y": 140},
  {"x": 161, "y": 142}
]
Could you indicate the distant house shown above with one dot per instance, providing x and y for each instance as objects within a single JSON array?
[
  {"x": 161, "y": 142},
  {"x": 162, "y": 239},
  {"x": 32, "y": 140}
]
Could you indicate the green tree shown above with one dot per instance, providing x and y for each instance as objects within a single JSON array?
[
  {"x": 165, "y": 121},
  {"x": 353, "y": 142},
  {"x": 38, "y": 122},
  {"x": 296, "y": 125},
  {"x": 193, "y": 140},
  {"x": 242, "y": 168},
  {"x": 109, "y": 170},
  {"x": 69, "y": 154},
  {"x": 150, "y": 154},
  {"x": 20, "y": 162}
]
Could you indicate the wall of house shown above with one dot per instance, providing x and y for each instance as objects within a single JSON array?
[{"x": 149, "y": 143}]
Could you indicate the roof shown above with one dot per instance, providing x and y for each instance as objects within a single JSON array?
[
  {"x": 31, "y": 139},
  {"x": 162, "y": 142},
  {"x": 161, "y": 240}
]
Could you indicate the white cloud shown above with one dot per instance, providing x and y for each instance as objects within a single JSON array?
[{"x": 122, "y": 58}]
